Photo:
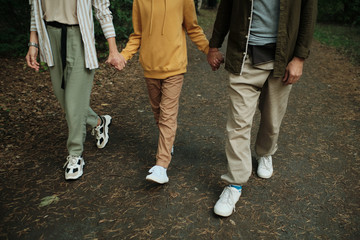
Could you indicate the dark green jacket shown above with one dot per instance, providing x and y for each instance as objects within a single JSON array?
[{"x": 295, "y": 32}]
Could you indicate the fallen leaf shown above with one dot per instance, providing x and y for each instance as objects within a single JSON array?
[{"x": 48, "y": 200}]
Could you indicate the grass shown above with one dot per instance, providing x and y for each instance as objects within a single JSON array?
[{"x": 345, "y": 39}]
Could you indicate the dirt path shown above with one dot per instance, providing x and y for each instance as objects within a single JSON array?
[{"x": 314, "y": 193}]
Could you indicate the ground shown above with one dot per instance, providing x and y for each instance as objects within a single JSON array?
[{"x": 313, "y": 194}]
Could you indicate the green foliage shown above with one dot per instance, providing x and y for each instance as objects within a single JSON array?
[
  {"x": 14, "y": 27},
  {"x": 344, "y": 38},
  {"x": 122, "y": 12},
  {"x": 15, "y": 23},
  {"x": 339, "y": 11}
]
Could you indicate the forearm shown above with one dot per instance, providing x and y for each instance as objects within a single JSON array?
[
  {"x": 31, "y": 56},
  {"x": 222, "y": 24},
  {"x": 34, "y": 37},
  {"x": 134, "y": 42},
  {"x": 112, "y": 45}
]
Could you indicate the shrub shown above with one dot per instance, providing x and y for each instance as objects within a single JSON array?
[
  {"x": 339, "y": 11},
  {"x": 121, "y": 11},
  {"x": 15, "y": 25}
]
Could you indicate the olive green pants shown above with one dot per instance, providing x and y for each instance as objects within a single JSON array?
[
  {"x": 75, "y": 98},
  {"x": 255, "y": 87}
]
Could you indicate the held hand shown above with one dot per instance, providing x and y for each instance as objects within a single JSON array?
[
  {"x": 31, "y": 58},
  {"x": 215, "y": 58},
  {"x": 293, "y": 71},
  {"x": 116, "y": 60}
]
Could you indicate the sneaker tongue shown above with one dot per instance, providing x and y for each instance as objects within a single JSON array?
[{"x": 73, "y": 160}]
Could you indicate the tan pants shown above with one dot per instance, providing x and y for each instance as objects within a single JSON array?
[
  {"x": 164, "y": 97},
  {"x": 256, "y": 84}
]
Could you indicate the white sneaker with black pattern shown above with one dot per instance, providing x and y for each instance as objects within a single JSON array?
[
  {"x": 102, "y": 131},
  {"x": 74, "y": 167}
]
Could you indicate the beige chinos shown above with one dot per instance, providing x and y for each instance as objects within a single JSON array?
[
  {"x": 75, "y": 98},
  {"x": 164, "y": 97},
  {"x": 255, "y": 86}
]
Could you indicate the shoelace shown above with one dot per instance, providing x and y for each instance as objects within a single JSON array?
[
  {"x": 228, "y": 197},
  {"x": 267, "y": 162},
  {"x": 227, "y": 194},
  {"x": 71, "y": 160},
  {"x": 153, "y": 169},
  {"x": 156, "y": 170},
  {"x": 97, "y": 130}
]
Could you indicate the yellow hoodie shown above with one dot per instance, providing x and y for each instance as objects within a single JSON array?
[{"x": 159, "y": 31}]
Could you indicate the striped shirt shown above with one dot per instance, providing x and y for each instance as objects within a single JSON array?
[{"x": 86, "y": 24}]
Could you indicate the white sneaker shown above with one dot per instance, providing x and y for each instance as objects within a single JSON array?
[
  {"x": 74, "y": 167},
  {"x": 265, "y": 168},
  {"x": 158, "y": 175},
  {"x": 102, "y": 131},
  {"x": 225, "y": 206}
]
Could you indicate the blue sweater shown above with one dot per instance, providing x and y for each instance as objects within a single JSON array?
[{"x": 264, "y": 23}]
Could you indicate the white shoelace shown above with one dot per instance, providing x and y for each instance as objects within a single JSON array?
[
  {"x": 96, "y": 130},
  {"x": 267, "y": 162},
  {"x": 158, "y": 170},
  {"x": 71, "y": 161},
  {"x": 227, "y": 195},
  {"x": 155, "y": 169}
]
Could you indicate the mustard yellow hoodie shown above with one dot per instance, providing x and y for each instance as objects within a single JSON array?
[{"x": 159, "y": 31}]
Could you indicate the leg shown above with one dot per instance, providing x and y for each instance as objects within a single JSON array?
[
  {"x": 92, "y": 118},
  {"x": 244, "y": 92},
  {"x": 273, "y": 103},
  {"x": 154, "y": 90},
  {"x": 78, "y": 85},
  {"x": 75, "y": 58},
  {"x": 56, "y": 72},
  {"x": 165, "y": 104},
  {"x": 169, "y": 108}
]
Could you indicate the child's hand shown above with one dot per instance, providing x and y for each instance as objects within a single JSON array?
[{"x": 215, "y": 58}]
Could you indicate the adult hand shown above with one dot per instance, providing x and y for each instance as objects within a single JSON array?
[
  {"x": 293, "y": 71},
  {"x": 116, "y": 60},
  {"x": 215, "y": 58},
  {"x": 31, "y": 58}
]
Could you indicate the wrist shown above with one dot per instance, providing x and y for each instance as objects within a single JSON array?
[
  {"x": 33, "y": 44},
  {"x": 113, "y": 51},
  {"x": 213, "y": 49},
  {"x": 300, "y": 59}
]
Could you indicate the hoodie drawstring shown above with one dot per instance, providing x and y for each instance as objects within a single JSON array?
[
  {"x": 163, "y": 26},
  {"x": 152, "y": 16}
]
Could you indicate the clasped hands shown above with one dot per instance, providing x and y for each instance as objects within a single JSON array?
[
  {"x": 215, "y": 58},
  {"x": 116, "y": 60}
]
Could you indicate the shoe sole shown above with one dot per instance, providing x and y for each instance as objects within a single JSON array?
[
  {"x": 106, "y": 130},
  {"x": 155, "y": 181},
  {"x": 264, "y": 176},
  {"x": 77, "y": 176},
  {"x": 223, "y": 215},
  {"x": 73, "y": 178}
]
